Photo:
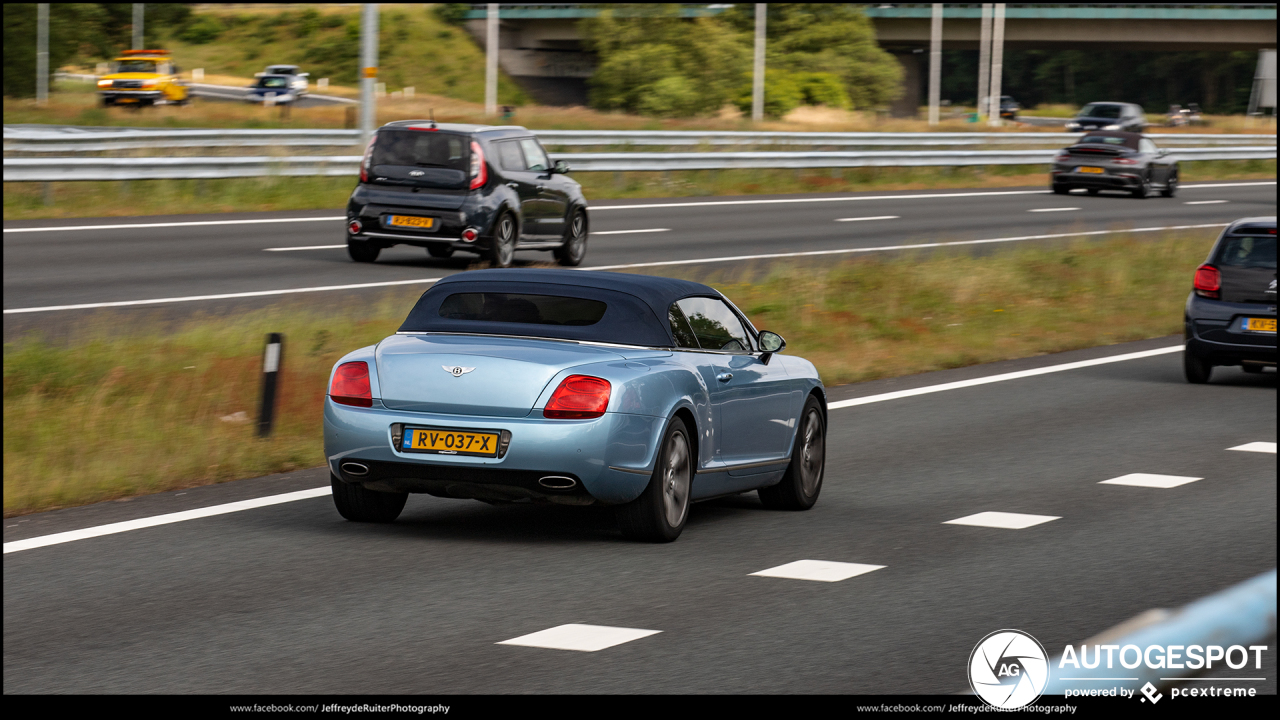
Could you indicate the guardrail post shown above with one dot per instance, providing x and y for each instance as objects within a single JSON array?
[{"x": 270, "y": 374}]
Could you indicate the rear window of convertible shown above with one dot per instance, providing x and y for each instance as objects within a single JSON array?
[{"x": 522, "y": 308}]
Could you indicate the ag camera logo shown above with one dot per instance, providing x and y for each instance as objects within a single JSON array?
[{"x": 1008, "y": 669}]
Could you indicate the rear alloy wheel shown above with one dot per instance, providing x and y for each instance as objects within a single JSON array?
[
  {"x": 362, "y": 250},
  {"x": 659, "y": 514},
  {"x": 1093, "y": 191},
  {"x": 440, "y": 251},
  {"x": 803, "y": 481},
  {"x": 575, "y": 243},
  {"x": 357, "y": 504},
  {"x": 1170, "y": 185},
  {"x": 503, "y": 248},
  {"x": 1060, "y": 189},
  {"x": 1143, "y": 189},
  {"x": 1196, "y": 368}
]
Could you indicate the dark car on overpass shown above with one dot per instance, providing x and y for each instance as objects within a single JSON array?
[
  {"x": 1109, "y": 116},
  {"x": 1231, "y": 311},
  {"x": 472, "y": 188},
  {"x": 1113, "y": 160}
]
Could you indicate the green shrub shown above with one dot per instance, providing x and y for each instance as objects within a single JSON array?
[
  {"x": 782, "y": 93},
  {"x": 202, "y": 29},
  {"x": 451, "y": 13},
  {"x": 331, "y": 21},
  {"x": 672, "y": 96},
  {"x": 823, "y": 88},
  {"x": 308, "y": 23}
]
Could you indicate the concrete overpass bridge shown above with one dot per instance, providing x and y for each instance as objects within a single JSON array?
[{"x": 542, "y": 49}]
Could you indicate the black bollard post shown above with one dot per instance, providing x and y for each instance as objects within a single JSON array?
[{"x": 270, "y": 383}]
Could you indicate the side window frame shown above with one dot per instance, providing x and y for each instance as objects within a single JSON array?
[
  {"x": 674, "y": 309},
  {"x": 546, "y": 159},
  {"x": 502, "y": 164},
  {"x": 746, "y": 326}
]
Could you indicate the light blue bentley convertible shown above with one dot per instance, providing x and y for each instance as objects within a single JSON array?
[{"x": 576, "y": 388}]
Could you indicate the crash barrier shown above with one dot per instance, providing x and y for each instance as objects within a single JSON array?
[
  {"x": 61, "y": 169},
  {"x": 1230, "y": 622},
  {"x": 65, "y": 140}
]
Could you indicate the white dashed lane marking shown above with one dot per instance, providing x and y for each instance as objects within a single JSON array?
[
  {"x": 818, "y": 570},
  {"x": 1005, "y": 520},
  {"x": 1052, "y": 209},
  {"x": 1258, "y": 447},
  {"x": 1150, "y": 480},
  {"x": 873, "y": 217},
  {"x": 584, "y": 638},
  {"x": 304, "y": 247},
  {"x": 629, "y": 232},
  {"x": 1205, "y": 202}
]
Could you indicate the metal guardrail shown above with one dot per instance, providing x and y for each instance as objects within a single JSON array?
[
  {"x": 1241, "y": 615},
  {"x": 67, "y": 140},
  {"x": 68, "y": 169}
]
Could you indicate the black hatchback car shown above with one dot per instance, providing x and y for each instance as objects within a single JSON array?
[
  {"x": 1231, "y": 311},
  {"x": 1111, "y": 160},
  {"x": 475, "y": 188},
  {"x": 1109, "y": 116}
]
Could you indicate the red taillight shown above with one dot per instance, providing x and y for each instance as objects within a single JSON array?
[
  {"x": 1208, "y": 281},
  {"x": 1124, "y": 161},
  {"x": 579, "y": 397},
  {"x": 354, "y": 227},
  {"x": 350, "y": 385},
  {"x": 1062, "y": 157},
  {"x": 479, "y": 171},
  {"x": 368, "y": 158}
]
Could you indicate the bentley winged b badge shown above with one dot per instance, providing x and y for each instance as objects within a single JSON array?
[{"x": 457, "y": 370}]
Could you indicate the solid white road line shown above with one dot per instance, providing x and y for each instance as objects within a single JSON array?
[
  {"x": 584, "y": 638},
  {"x": 1004, "y": 520},
  {"x": 630, "y": 232},
  {"x": 1258, "y": 447},
  {"x": 1149, "y": 480},
  {"x": 194, "y": 223},
  {"x": 223, "y": 296},
  {"x": 843, "y": 251},
  {"x": 1205, "y": 202},
  {"x": 1002, "y": 377},
  {"x": 818, "y": 570},
  {"x": 611, "y": 207},
  {"x": 304, "y": 247},
  {"x": 873, "y": 217},
  {"x": 113, "y": 528},
  {"x": 1052, "y": 209},
  {"x": 699, "y": 261}
]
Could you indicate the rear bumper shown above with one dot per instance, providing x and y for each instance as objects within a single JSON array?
[
  {"x": 114, "y": 95},
  {"x": 609, "y": 458},
  {"x": 1214, "y": 331},
  {"x": 1102, "y": 181}
]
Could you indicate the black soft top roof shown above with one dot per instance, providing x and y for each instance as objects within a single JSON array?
[{"x": 636, "y": 312}]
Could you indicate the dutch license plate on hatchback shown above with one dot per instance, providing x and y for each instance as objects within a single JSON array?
[
  {"x": 450, "y": 442},
  {"x": 411, "y": 221},
  {"x": 1094, "y": 170},
  {"x": 1267, "y": 325}
]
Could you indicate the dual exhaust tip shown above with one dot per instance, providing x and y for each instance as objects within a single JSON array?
[{"x": 551, "y": 482}]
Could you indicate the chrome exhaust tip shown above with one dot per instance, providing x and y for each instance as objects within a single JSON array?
[
  {"x": 557, "y": 482},
  {"x": 355, "y": 469}
]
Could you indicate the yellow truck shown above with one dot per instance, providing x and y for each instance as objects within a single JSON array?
[{"x": 143, "y": 77}]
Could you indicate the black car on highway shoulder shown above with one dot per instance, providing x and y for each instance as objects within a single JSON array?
[
  {"x": 1231, "y": 311},
  {"x": 1109, "y": 116},
  {"x": 476, "y": 188},
  {"x": 1114, "y": 160}
]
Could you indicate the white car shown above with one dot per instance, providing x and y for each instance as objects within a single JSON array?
[{"x": 297, "y": 80}]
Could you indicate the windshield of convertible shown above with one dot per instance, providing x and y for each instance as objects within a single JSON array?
[{"x": 520, "y": 308}]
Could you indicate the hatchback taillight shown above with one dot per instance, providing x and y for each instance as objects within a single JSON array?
[
  {"x": 350, "y": 385},
  {"x": 479, "y": 172},
  {"x": 579, "y": 397},
  {"x": 367, "y": 160},
  {"x": 1208, "y": 282}
]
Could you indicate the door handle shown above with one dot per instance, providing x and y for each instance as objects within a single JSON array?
[
  {"x": 515, "y": 185},
  {"x": 724, "y": 377}
]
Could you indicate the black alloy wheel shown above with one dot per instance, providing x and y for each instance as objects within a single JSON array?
[
  {"x": 440, "y": 251},
  {"x": 1144, "y": 188},
  {"x": 357, "y": 504},
  {"x": 1197, "y": 369},
  {"x": 802, "y": 482},
  {"x": 575, "y": 242},
  {"x": 502, "y": 250},
  {"x": 659, "y": 514},
  {"x": 1170, "y": 185},
  {"x": 364, "y": 251}
]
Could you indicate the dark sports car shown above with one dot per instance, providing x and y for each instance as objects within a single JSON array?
[{"x": 1114, "y": 160}]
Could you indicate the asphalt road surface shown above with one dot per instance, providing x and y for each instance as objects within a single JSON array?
[
  {"x": 291, "y": 598},
  {"x": 131, "y": 259}
]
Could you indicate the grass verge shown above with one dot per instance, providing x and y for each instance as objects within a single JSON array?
[
  {"x": 132, "y": 411},
  {"x": 26, "y": 201}
]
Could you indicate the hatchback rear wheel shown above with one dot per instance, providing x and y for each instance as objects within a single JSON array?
[
  {"x": 362, "y": 250},
  {"x": 502, "y": 250},
  {"x": 570, "y": 254},
  {"x": 440, "y": 251},
  {"x": 659, "y": 514},
  {"x": 1196, "y": 368}
]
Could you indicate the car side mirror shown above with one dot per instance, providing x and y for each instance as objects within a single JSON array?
[
  {"x": 561, "y": 168},
  {"x": 1162, "y": 152},
  {"x": 770, "y": 343}
]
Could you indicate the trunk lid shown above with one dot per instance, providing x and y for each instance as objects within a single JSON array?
[
  {"x": 1248, "y": 284},
  {"x": 505, "y": 379},
  {"x": 410, "y": 197}
]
